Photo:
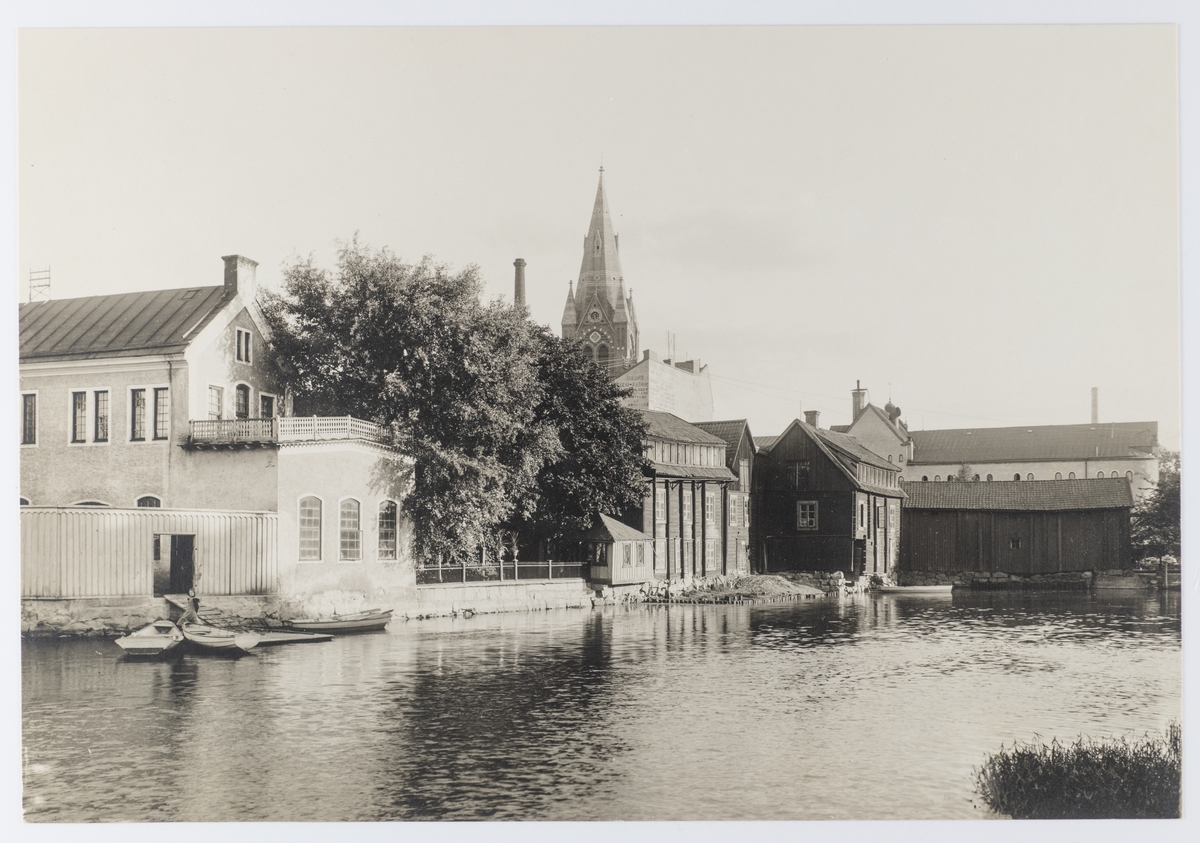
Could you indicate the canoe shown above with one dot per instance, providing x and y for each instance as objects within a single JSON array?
[
  {"x": 916, "y": 589},
  {"x": 359, "y": 622},
  {"x": 214, "y": 638},
  {"x": 277, "y": 636},
  {"x": 153, "y": 639}
]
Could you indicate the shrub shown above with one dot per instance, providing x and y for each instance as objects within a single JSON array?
[{"x": 1088, "y": 779}]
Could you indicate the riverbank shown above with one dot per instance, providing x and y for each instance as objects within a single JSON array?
[{"x": 756, "y": 588}]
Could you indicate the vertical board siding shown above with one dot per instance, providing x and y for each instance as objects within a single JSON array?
[{"x": 105, "y": 552}]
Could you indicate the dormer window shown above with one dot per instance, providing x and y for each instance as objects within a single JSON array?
[{"x": 243, "y": 346}]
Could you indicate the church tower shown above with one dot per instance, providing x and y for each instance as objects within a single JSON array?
[{"x": 598, "y": 313}]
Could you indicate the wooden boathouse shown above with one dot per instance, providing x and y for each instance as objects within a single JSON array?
[{"x": 1016, "y": 527}]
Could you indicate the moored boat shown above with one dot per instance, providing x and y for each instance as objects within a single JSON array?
[
  {"x": 358, "y": 622},
  {"x": 153, "y": 639},
  {"x": 277, "y": 636},
  {"x": 916, "y": 589},
  {"x": 215, "y": 638}
]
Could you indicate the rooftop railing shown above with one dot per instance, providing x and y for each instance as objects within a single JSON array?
[{"x": 285, "y": 429}]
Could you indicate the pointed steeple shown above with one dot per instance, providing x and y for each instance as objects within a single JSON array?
[
  {"x": 600, "y": 271},
  {"x": 570, "y": 319}
]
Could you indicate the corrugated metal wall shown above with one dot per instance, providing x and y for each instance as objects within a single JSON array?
[{"x": 107, "y": 552}]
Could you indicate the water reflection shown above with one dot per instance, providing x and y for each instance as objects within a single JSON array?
[{"x": 707, "y": 712}]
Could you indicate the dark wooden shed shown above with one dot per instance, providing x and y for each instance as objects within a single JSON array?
[{"x": 1016, "y": 527}]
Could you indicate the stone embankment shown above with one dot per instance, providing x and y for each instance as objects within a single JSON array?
[
  {"x": 1124, "y": 578},
  {"x": 758, "y": 588}
]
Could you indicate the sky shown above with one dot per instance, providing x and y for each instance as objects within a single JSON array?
[{"x": 979, "y": 223}]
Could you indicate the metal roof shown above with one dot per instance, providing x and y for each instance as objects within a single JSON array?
[
  {"x": 120, "y": 325},
  {"x": 1042, "y": 442},
  {"x": 660, "y": 425},
  {"x": 610, "y": 528},
  {"x": 1022, "y": 495}
]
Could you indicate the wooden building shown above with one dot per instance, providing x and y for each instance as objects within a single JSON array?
[
  {"x": 739, "y": 458},
  {"x": 684, "y": 508},
  {"x": 618, "y": 554},
  {"x": 825, "y": 503},
  {"x": 1025, "y": 527}
]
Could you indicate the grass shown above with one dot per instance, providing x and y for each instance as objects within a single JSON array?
[{"x": 1087, "y": 779}]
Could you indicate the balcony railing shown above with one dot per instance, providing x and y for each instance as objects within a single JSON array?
[
  {"x": 285, "y": 429},
  {"x": 506, "y": 572}
]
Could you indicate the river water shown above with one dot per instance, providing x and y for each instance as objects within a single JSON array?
[{"x": 869, "y": 707}]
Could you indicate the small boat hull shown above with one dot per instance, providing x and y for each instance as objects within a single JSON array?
[
  {"x": 206, "y": 637},
  {"x": 152, "y": 640},
  {"x": 360, "y": 622},
  {"x": 916, "y": 589},
  {"x": 276, "y": 636}
]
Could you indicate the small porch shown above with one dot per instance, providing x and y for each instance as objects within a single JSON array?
[
  {"x": 618, "y": 554},
  {"x": 224, "y": 433}
]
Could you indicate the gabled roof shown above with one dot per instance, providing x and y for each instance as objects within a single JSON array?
[
  {"x": 1027, "y": 443},
  {"x": 661, "y": 425},
  {"x": 1024, "y": 495},
  {"x": 693, "y": 472},
  {"x": 732, "y": 432},
  {"x": 120, "y": 325},
  {"x": 852, "y": 448},
  {"x": 879, "y": 414},
  {"x": 765, "y": 443},
  {"x": 610, "y": 529},
  {"x": 843, "y": 451}
]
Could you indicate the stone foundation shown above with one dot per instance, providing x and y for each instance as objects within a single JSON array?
[
  {"x": 508, "y": 596},
  {"x": 1064, "y": 581},
  {"x": 107, "y": 616}
]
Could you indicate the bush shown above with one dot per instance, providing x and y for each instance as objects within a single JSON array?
[{"x": 1087, "y": 779}]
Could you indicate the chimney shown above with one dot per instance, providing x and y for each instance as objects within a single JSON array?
[
  {"x": 812, "y": 418},
  {"x": 1095, "y": 405},
  {"x": 240, "y": 277},
  {"x": 858, "y": 399},
  {"x": 519, "y": 283}
]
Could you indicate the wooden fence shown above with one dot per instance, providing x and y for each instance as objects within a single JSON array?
[{"x": 69, "y": 552}]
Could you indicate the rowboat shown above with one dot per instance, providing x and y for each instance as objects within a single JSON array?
[
  {"x": 214, "y": 638},
  {"x": 278, "y": 636},
  {"x": 916, "y": 589},
  {"x": 359, "y": 622},
  {"x": 153, "y": 639}
]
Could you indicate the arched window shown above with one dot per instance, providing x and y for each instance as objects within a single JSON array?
[
  {"x": 889, "y": 457},
  {"x": 149, "y": 500},
  {"x": 1058, "y": 475},
  {"x": 1114, "y": 475},
  {"x": 1071, "y": 476},
  {"x": 1017, "y": 476},
  {"x": 901, "y": 478},
  {"x": 902, "y": 459},
  {"x": 24, "y": 501},
  {"x": 937, "y": 477},
  {"x": 242, "y": 401},
  {"x": 925, "y": 478},
  {"x": 350, "y": 537},
  {"x": 387, "y": 530},
  {"x": 310, "y": 528},
  {"x": 1129, "y": 476},
  {"x": 976, "y": 478},
  {"x": 1029, "y": 476},
  {"x": 989, "y": 478},
  {"x": 950, "y": 478},
  {"x": 602, "y": 354},
  {"x": 1099, "y": 475}
]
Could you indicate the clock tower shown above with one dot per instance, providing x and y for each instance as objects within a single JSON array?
[{"x": 598, "y": 313}]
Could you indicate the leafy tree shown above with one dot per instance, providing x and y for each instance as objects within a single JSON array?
[
  {"x": 488, "y": 405},
  {"x": 1156, "y": 518},
  {"x": 965, "y": 472}
]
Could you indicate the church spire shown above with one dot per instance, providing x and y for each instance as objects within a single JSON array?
[
  {"x": 600, "y": 270},
  {"x": 570, "y": 318}
]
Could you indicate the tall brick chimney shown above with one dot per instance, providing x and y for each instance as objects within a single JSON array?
[
  {"x": 240, "y": 276},
  {"x": 1095, "y": 405},
  {"x": 858, "y": 399},
  {"x": 519, "y": 283},
  {"x": 812, "y": 418}
]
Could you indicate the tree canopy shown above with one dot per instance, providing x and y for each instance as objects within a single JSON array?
[
  {"x": 505, "y": 424},
  {"x": 1156, "y": 518}
]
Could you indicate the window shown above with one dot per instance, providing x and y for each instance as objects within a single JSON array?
[
  {"x": 24, "y": 501},
  {"x": 889, "y": 457},
  {"x": 29, "y": 419},
  {"x": 976, "y": 478},
  {"x": 137, "y": 415},
  {"x": 149, "y": 500},
  {"x": 1029, "y": 476},
  {"x": 937, "y": 477},
  {"x": 1017, "y": 476},
  {"x": 161, "y": 408},
  {"x": 660, "y": 506},
  {"x": 350, "y": 537},
  {"x": 687, "y": 507},
  {"x": 243, "y": 346},
  {"x": 1114, "y": 474},
  {"x": 800, "y": 474},
  {"x": 744, "y": 475},
  {"x": 746, "y": 512},
  {"x": 925, "y": 477},
  {"x": 710, "y": 551},
  {"x": 806, "y": 515},
  {"x": 387, "y": 530},
  {"x": 1058, "y": 475},
  {"x": 989, "y": 478},
  {"x": 1071, "y": 476},
  {"x": 862, "y": 515},
  {"x": 1099, "y": 474},
  {"x": 1014, "y": 543},
  {"x": 78, "y": 416},
  {"x": 950, "y": 478},
  {"x": 100, "y": 430},
  {"x": 627, "y": 561},
  {"x": 1129, "y": 476},
  {"x": 266, "y": 406},
  {"x": 902, "y": 459},
  {"x": 89, "y": 503},
  {"x": 310, "y": 528},
  {"x": 241, "y": 401},
  {"x": 216, "y": 400},
  {"x": 710, "y": 507}
]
